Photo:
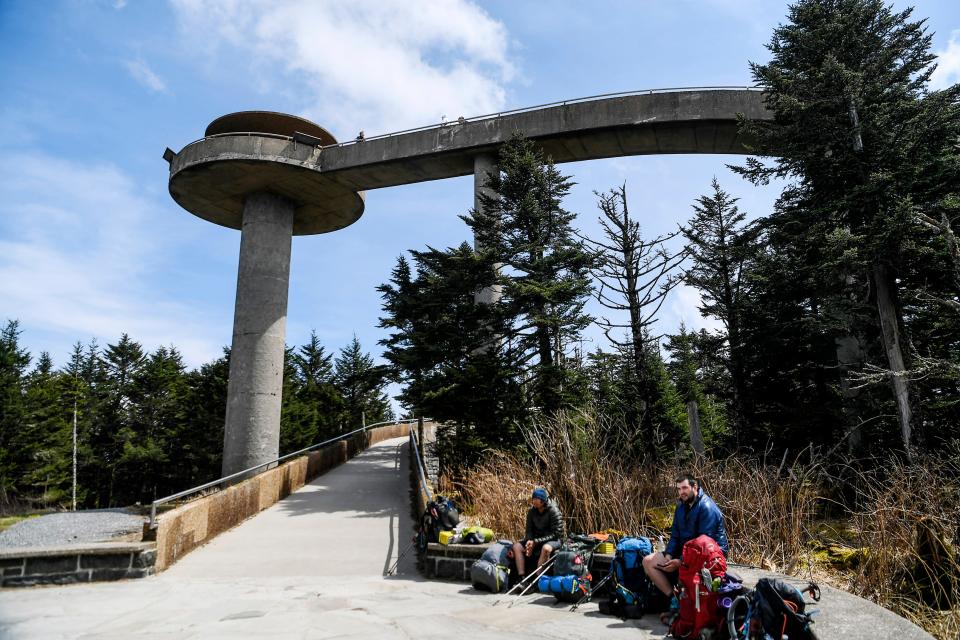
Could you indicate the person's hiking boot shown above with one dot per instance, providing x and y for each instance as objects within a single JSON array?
[
  {"x": 667, "y": 617},
  {"x": 658, "y": 602}
]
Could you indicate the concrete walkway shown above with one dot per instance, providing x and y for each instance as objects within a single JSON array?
[{"x": 312, "y": 566}]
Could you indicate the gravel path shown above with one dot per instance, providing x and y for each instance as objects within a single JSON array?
[{"x": 57, "y": 529}]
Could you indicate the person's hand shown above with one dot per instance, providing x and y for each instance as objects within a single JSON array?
[
  {"x": 528, "y": 548},
  {"x": 669, "y": 565}
]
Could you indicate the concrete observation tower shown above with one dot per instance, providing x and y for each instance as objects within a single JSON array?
[
  {"x": 260, "y": 172},
  {"x": 274, "y": 176}
]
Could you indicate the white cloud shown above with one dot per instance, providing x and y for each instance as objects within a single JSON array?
[
  {"x": 947, "y": 72},
  {"x": 78, "y": 248},
  {"x": 685, "y": 307},
  {"x": 374, "y": 65},
  {"x": 142, "y": 73}
]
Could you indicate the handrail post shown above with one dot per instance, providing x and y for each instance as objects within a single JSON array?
[{"x": 421, "y": 450}]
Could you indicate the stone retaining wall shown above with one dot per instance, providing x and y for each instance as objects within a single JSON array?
[
  {"x": 452, "y": 561},
  {"x": 76, "y": 563},
  {"x": 183, "y": 529}
]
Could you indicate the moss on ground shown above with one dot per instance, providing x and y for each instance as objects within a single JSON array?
[{"x": 8, "y": 521}]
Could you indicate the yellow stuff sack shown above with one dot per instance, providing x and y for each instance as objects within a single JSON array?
[{"x": 477, "y": 535}]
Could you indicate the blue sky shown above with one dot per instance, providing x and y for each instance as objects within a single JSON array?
[{"x": 92, "y": 245}]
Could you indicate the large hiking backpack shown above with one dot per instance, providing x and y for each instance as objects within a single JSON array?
[
  {"x": 441, "y": 515},
  {"x": 630, "y": 588},
  {"x": 573, "y": 559},
  {"x": 492, "y": 571},
  {"x": 702, "y": 562},
  {"x": 774, "y": 609},
  {"x": 571, "y": 577}
]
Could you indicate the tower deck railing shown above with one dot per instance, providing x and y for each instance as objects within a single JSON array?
[{"x": 500, "y": 114}]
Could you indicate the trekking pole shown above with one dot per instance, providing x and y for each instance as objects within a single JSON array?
[
  {"x": 589, "y": 596},
  {"x": 396, "y": 564},
  {"x": 542, "y": 570},
  {"x": 533, "y": 574}
]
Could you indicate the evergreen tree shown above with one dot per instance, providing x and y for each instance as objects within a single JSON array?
[
  {"x": 198, "y": 439},
  {"x": 113, "y": 428},
  {"x": 869, "y": 148},
  {"x": 158, "y": 408},
  {"x": 45, "y": 441},
  {"x": 524, "y": 227},
  {"x": 318, "y": 401},
  {"x": 361, "y": 385},
  {"x": 87, "y": 370},
  {"x": 720, "y": 247},
  {"x": 13, "y": 368},
  {"x": 690, "y": 377},
  {"x": 450, "y": 354}
]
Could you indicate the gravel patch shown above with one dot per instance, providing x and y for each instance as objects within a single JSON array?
[{"x": 57, "y": 529}]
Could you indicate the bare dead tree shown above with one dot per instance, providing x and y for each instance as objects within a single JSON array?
[{"x": 634, "y": 277}]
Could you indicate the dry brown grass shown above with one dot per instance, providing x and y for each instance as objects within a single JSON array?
[
  {"x": 905, "y": 518},
  {"x": 908, "y": 520}
]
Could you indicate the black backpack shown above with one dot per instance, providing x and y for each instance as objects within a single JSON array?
[
  {"x": 441, "y": 515},
  {"x": 776, "y": 609},
  {"x": 573, "y": 559}
]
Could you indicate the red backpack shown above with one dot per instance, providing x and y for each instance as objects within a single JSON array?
[{"x": 702, "y": 556}]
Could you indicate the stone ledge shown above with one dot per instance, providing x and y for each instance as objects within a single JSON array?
[
  {"x": 76, "y": 563},
  {"x": 453, "y": 561},
  {"x": 89, "y": 549}
]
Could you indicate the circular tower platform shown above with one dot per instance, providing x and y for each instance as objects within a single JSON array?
[{"x": 256, "y": 151}]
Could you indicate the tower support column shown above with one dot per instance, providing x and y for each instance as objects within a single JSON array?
[
  {"x": 254, "y": 393},
  {"x": 483, "y": 165}
]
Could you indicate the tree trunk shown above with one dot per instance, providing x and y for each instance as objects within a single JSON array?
[
  {"x": 737, "y": 376},
  {"x": 890, "y": 328},
  {"x": 693, "y": 420},
  {"x": 850, "y": 356}
]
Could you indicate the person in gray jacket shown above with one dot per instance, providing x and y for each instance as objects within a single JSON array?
[{"x": 543, "y": 533}]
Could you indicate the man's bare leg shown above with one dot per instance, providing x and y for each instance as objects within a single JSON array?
[
  {"x": 657, "y": 575},
  {"x": 545, "y": 552},
  {"x": 520, "y": 559}
]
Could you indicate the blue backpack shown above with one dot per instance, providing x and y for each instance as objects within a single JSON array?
[{"x": 630, "y": 590}]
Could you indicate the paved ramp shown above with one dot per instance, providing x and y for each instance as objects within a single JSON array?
[
  {"x": 352, "y": 521},
  {"x": 312, "y": 565}
]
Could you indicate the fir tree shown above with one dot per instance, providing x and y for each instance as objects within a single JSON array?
[
  {"x": 720, "y": 248},
  {"x": 868, "y": 146},
  {"x": 361, "y": 385},
  {"x": 13, "y": 368},
  {"x": 524, "y": 227}
]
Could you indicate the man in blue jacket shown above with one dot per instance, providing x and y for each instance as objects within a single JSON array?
[{"x": 696, "y": 515}]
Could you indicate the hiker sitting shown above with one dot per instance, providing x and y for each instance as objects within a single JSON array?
[
  {"x": 543, "y": 534},
  {"x": 696, "y": 515}
]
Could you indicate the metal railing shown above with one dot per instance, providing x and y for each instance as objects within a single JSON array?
[
  {"x": 500, "y": 114},
  {"x": 546, "y": 105},
  {"x": 414, "y": 443},
  {"x": 218, "y": 481}
]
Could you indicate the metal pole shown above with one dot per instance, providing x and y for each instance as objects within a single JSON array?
[{"x": 420, "y": 436}]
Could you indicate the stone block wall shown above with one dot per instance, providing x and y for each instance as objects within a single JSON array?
[
  {"x": 183, "y": 529},
  {"x": 72, "y": 564},
  {"x": 453, "y": 561}
]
